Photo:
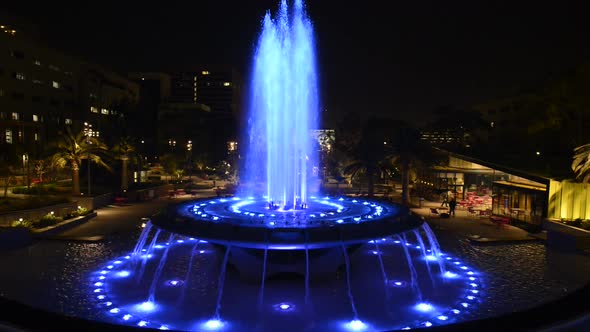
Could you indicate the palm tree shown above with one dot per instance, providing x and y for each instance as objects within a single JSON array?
[
  {"x": 72, "y": 149},
  {"x": 124, "y": 151},
  {"x": 581, "y": 163},
  {"x": 409, "y": 152},
  {"x": 367, "y": 154}
]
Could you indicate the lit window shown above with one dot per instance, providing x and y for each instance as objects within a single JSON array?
[
  {"x": 226, "y": 83},
  {"x": 68, "y": 121},
  {"x": 36, "y": 136},
  {"x": 14, "y": 116},
  {"x": 205, "y": 72},
  {"x": 19, "y": 76},
  {"x": 92, "y": 95},
  {"x": 55, "y": 84},
  {"x": 20, "y": 135},
  {"x": 195, "y": 78},
  {"x": 93, "y": 109},
  {"x": 8, "y": 136},
  {"x": 35, "y": 118},
  {"x": 37, "y": 62},
  {"x": 492, "y": 124},
  {"x": 37, "y": 81},
  {"x": 104, "y": 111}
]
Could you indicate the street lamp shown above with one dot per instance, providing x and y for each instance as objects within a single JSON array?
[{"x": 88, "y": 132}]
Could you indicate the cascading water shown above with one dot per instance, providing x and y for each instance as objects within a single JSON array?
[
  {"x": 147, "y": 254},
  {"x": 142, "y": 238},
  {"x": 434, "y": 247},
  {"x": 152, "y": 294},
  {"x": 424, "y": 253},
  {"x": 188, "y": 272},
  {"x": 220, "y": 282},
  {"x": 381, "y": 263},
  {"x": 283, "y": 109},
  {"x": 413, "y": 274},
  {"x": 261, "y": 296},
  {"x": 350, "y": 297}
]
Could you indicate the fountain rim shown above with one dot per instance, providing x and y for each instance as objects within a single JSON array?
[{"x": 227, "y": 234}]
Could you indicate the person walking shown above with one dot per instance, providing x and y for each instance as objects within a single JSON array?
[
  {"x": 445, "y": 201},
  {"x": 452, "y": 205}
]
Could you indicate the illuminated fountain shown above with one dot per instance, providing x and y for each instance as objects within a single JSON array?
[{"x": 221, "y": 264}]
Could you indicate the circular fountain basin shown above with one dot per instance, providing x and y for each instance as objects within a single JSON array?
[{"x": 258, "y": 224}]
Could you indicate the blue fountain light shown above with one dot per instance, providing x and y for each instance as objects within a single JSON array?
[
  {"x": 123, "y": 274},
  {"x": 213, "y": 324},
  {"x": 424, "y": 307},
  {"x": 146, "y": 306},
  {"x": 356, "y": 325}
]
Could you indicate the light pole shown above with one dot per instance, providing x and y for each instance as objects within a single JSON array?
[
  {"x": 88, "y": 132},
  {"x": 189, "y": 147},
  {"x": 25, "y": 161}
]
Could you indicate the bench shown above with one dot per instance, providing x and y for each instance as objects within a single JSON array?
[
  {"x": 120, "y": 200},
  {"x": 499, "y": 220}
]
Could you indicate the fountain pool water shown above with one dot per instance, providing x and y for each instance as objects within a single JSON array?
[{"x": 281, "y": 256}]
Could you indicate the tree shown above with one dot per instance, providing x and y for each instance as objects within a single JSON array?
[
  {"x": 72, "y": 149},
  {"x": 581, "y": 163},
  {"x": 170, "y": 163},
  {"x": 124, "y": 150}
]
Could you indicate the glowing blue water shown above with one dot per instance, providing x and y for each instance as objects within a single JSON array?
[{"x": 283, "y": 109}]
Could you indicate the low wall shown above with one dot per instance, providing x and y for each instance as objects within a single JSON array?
[
  {"x": 147, "y": 194},
  {"x": 93, "y": 203},
  {"x": 62, "y": 226},
  {"x": 60, "y": 210},
  {"x": 566, "y": 237}
]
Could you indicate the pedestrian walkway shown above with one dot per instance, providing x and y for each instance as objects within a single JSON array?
[
  {"x": 478, "y": 230},
  {"x": 119, "y": 219}
]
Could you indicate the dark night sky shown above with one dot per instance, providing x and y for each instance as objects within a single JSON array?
[{"x": 405, "y": 60}]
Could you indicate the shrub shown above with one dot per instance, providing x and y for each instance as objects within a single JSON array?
[
  {"x": 47, "y": 220},
  {"x": 576, "y": 222},
  {"x": 21, "y": 223},
  {"x": 585, "y": 224}
]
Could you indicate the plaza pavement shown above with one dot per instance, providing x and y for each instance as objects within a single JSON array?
[
  {"x": 478, "y": 230},
  {"x": 114, "y": 219}
]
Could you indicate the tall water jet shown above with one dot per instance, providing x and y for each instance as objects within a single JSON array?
[{"x": 283, "y": 109}]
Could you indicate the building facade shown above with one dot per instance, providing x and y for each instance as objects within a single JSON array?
[{"x": 43, "y": 91}]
